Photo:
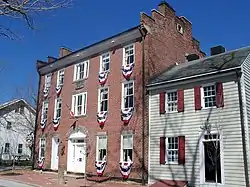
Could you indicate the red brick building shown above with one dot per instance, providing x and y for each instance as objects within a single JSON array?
[{"x": 91, "y": 101}]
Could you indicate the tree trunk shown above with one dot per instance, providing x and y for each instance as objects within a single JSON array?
[{"x": 61, "y": 175}]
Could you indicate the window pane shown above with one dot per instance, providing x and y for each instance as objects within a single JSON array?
[
  {"x": 172, "y": 149},
  {"x": 102, "y": 142},
  {"x": 127, "y": 142}
]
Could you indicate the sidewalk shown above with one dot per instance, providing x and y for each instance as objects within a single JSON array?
[{"x": 49, "y": 179}]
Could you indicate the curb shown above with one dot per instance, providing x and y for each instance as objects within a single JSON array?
[{"x": 21, "y": 182}]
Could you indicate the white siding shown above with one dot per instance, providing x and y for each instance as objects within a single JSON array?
[
  {"x": 246, "y": 101},
  {"x": 22, "y": 125},
  {"x": 188, "y": 124}
]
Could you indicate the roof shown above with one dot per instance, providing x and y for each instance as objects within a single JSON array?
[
  {"x": 208, "y": 65},
  {"x": 130, "y": 35},
  {"x": 15, "y": 101}
]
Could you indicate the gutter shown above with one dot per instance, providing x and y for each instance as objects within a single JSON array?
[
  {"x": 36, "y": 122},
  {"x": 244, "y": 147},
  {"x": 192, "y": 77}
]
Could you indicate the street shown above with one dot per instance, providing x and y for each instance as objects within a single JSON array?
[{"x": 6, "y": 183}]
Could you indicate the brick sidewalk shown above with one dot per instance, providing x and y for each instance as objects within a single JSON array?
[{"x": 50, "y": 180}]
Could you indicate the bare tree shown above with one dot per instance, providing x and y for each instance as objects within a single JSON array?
[{"x": 24, "y": 11}]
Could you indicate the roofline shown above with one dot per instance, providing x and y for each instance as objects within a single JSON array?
[
  {"x": 57, "y": 64},
  {"x": 192, "y": 77},
  {"x": 9, "y": 103}
]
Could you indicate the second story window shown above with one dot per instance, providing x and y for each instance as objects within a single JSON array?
[
  {"x": 79, "y": 104},
  {"x": 42, "y": 148},
  {"x": 101, "y": 148},
  {"x": 9, "y": 125},
  {"x": 45, "y": 110},
  {"x": 129, "y": 54},
  {"x": 60, "y": 77},
  {"x": 209, "y": 96},
  {"x": 7, "y": 148},
  {"x": 127, "y": 148},
  {"x": 58, "y": 108},
  {"x": 105, "y": 62},
  {"x": 20, "y": 149},
  {"x": 128, "y": 95},
  {"x": 47, "y": 82},
  {"x": 103, "y": 100},
  {"x": 81, "y": 71},
  {"x": 172, "y": 101}
]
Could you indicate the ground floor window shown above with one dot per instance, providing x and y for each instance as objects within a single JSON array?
[
  {"x": 42, "y": 148},
  {"x": 127, "y": 148},
  {"x": 212, "y": 158}
]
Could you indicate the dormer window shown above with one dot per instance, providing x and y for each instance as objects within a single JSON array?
[{"x": 179, "y": 28}]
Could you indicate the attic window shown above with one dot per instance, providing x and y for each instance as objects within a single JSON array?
[{"x": 179, "y": 28}]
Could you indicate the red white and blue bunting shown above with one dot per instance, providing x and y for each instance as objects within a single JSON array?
[
  {"x": 40, "y": 163},
  {"x": 125, "y": 168},
  {"x": 45, "y": 92},
  {"x": 58, "y": 90},
  {"x": 56, "y": 123},
  {"x": 126, "y": 114},
  {"x": 103, "y": 76},
  {"x": 43, "y": 123},
  {"x": 100, "y": 167},
  {"x": 102, "y": 117},
  {"x": 127, "y": 70}
]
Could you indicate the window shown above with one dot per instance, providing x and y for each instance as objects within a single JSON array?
[
  {"x": 172, "y": 149},
  {"x": 209, "y": 96},
  {"x": 9, "y": 125},
  {"x": 81, "y": 71},
  {"x": 21, "y": 109},
  {"x": 45, "y": 109},
  {"x": 127, "y": 147},
  {"x": 20, "y": 149},
  {"x": 79, "y": 103},
  {"x": 105, "y": 62},
  {"x": 179, "y": 28},
  {"x": 7, "y": 148},
  {"x": 129, "y": 55},
  {"x": 103, "y": 99},
  {"x": 58, "y": 108},
  {"x": 60, "y": 77},
  {"x": 42, "y": 148},
  {"x": 47, "y": 81},
  {"x": 128, "y": 95},
  {"x": 101, "y": 147},
  {"x": 172, "y": 101},
  {"x": 212, "y": 158}
]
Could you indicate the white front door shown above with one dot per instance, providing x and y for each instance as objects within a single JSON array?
[
  {"x": 80, "y": 158},
  {"x": 54, "y": 153},
  {"x": 76, "y": 156}
]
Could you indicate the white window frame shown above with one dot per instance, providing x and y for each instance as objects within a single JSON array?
[
  {"x": 202, "y": 95},
  {"x": 20, "y": 149},
  {"x": 47, "y": 83},
  {"x": 98, "y": 138},
  {"x": 83, "y": 105},
  {"x": 56, "y": 107},
  {"x": 166, "y": 155},
  {"x": 123, "y": 96},
  {"x": 40, "y": 147},
  {"x": 124, "y": 54},
  {"x": 100, "y": 98},
  {"x": 43, "y": 109},
  {"x": 102, "y": 57},
  {"x": 7, "y": 152},
  {"x": 122, "y": 158},
  {"x": 166, "y": 101},
  {"x": 202, "y": 157},
  {"x": 9, "y": 125},
  {"x": 85, "y": 71},
  {"x": 60, "y": 74}
]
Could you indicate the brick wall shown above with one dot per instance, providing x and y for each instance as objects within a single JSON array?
[{"x": 164, "y": 46}]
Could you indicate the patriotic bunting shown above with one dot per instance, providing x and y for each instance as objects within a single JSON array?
[
  {"x": 103, "y": 76},
  {"x": 125, "y": 168},
  {"x": 126, "y": 114},
  {"x": 102, "y": 117}
]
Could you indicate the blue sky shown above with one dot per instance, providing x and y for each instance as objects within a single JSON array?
[{"x": 87, "y": 21}]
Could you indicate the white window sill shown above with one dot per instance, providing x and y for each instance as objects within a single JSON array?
[
  {"x": 80, "y": 116},
  {"x": 171, "y": 112},
  {"x": 207, "y": 108},
  {"x": 79, "y": 80},
  {"x": 171, "y": 163}
]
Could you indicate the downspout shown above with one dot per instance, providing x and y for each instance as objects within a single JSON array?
[
  {"x": 238, "y": 74},
  {"x": 142, "y": 30},
  {"x": 36, "y": 123}
]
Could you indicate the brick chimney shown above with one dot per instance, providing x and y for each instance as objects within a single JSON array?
[
  {"x": 51, "y": 59},
  {"x": 64, "y": 51}
]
